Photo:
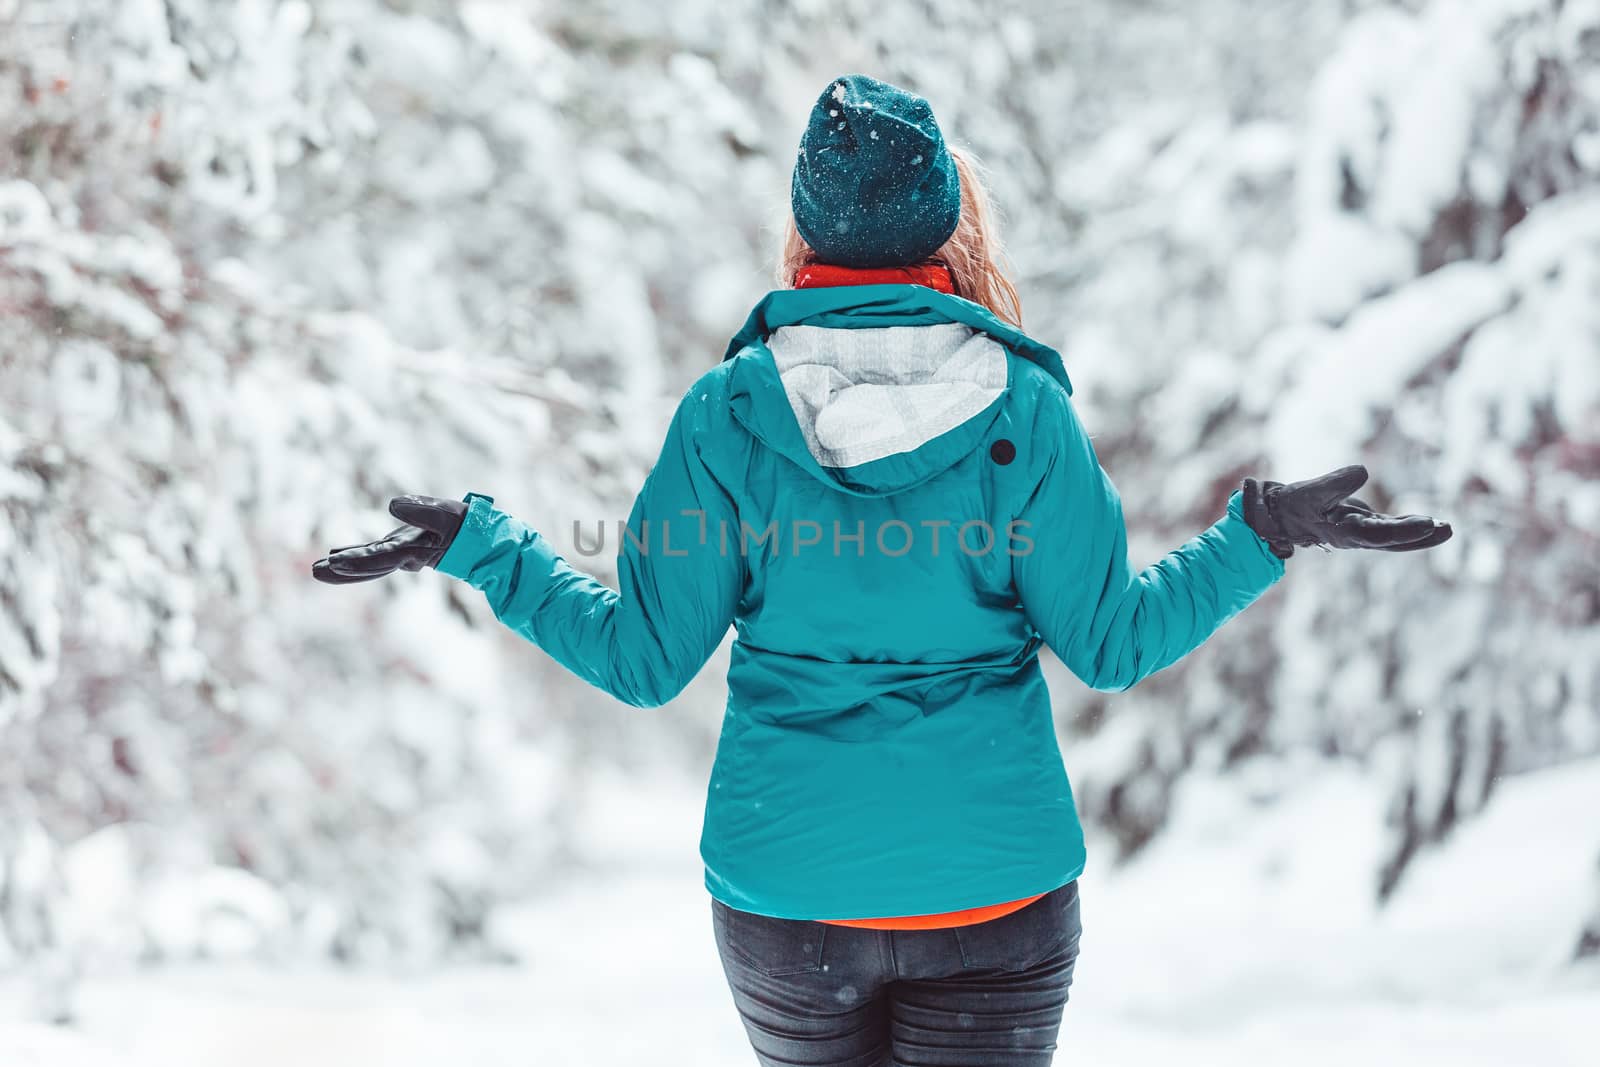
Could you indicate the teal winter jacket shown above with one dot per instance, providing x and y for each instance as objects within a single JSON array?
[{"x": 886, "y": 491}]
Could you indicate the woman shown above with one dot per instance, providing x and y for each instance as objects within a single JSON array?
[{"x": 884, "y": 488}]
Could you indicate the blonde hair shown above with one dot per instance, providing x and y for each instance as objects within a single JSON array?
[{"x": 973, "y": 254}]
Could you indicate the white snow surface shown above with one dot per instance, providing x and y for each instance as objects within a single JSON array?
[{"x": 1247, "y": 935}]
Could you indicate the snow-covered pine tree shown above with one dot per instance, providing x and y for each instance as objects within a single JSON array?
[{"x": 1406, "y": 277}]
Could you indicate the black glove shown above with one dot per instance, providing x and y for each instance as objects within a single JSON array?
[
  {"x": 1320, "y": 511},
  {"x": 431, "y": 524}
]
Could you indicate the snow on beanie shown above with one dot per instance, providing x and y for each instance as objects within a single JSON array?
[{"x": 874, "y": 185}]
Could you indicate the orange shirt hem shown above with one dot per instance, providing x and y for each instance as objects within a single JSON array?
[{"x": 942, "y": 920}]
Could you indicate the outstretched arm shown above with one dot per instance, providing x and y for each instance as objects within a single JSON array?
[
  {"x": 643, "y": 642},
  {"x": 1110, "y": 624}
]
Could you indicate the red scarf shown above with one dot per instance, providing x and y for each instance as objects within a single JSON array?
[{"x": 932, "y": 275}]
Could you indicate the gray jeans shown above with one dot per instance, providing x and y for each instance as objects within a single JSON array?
[{"x": 986, "y": 995}]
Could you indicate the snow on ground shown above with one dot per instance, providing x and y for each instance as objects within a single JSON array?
[{"x": 1245, "y": 936}]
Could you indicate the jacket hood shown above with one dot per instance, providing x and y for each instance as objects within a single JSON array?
[{"x": 831, "y": 379}]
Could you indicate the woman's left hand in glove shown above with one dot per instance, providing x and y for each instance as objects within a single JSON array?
[
  {"x": 1321, "y": 511},
  {"x": 430, "y": 525}
]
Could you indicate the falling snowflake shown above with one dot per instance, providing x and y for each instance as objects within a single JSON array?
[
  {"x": 873, "y": 134},
  {"x": 916, "y": 159}
]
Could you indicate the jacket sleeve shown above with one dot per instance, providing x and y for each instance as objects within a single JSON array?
[
  {"x": 1110, "y": 624},
  {"x": 677, "y": 594}
]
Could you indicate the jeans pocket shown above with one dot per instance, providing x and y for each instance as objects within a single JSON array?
[
  {"x": 1020, "y": 940},
  {"x": 772, "y": 946}
]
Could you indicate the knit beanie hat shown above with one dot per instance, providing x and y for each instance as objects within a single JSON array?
[{"x": 874, "y": 185}]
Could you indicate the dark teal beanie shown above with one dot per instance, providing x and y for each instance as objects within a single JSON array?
[{"x": 874, "y": 185}]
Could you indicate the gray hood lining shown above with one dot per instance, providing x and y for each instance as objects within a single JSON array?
[{"x": 863, "y": 394}]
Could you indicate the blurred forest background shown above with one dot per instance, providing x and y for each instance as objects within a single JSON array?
[{"x": 266, "y": 263}]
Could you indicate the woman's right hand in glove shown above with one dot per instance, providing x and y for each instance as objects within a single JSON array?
[{"x": 430, "y": 525}]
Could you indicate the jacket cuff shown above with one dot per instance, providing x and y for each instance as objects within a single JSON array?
[
  {"x": 472, "y": 541},
  {"x": 1234, "y": 519}
]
